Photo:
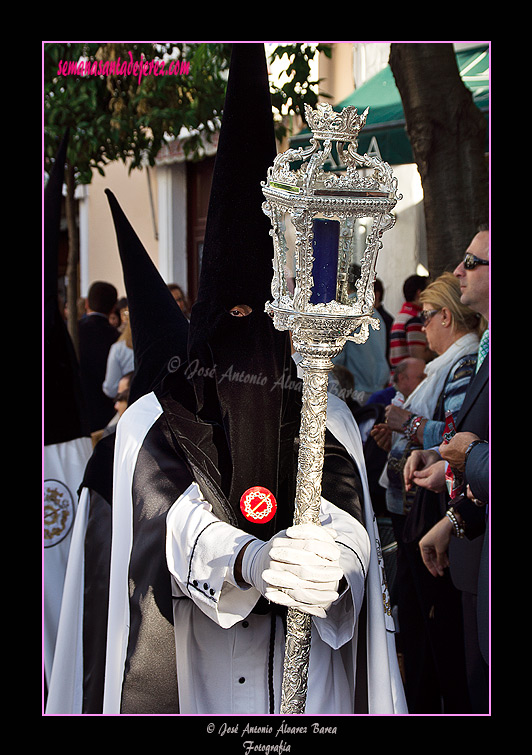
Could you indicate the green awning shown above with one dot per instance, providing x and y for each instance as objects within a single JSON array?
[{"x": 384, "y": 134}]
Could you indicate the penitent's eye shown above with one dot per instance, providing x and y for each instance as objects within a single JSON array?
[{"x": 240, "y": 310}]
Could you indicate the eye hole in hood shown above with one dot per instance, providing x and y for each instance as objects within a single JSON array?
[{"x": 240, "y": 310}]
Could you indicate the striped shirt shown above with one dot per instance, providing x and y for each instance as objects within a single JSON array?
[{"x": 406, "y": 332}]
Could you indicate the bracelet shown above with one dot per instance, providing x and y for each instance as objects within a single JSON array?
[
  {"x": 410, "y": 427},
  {"x": 458, "y": 529},
  {"x": 407, "y": 422}
]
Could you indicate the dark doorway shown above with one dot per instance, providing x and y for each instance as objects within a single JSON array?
[{"x": 199, "y": 179}]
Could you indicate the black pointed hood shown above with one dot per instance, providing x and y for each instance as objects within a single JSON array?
[
  {"x": 158, "y": 326},
  {"x": 65, "y": 413},
  {"x": 238, "y": 250},
  {"x": 244, "y": 360}
]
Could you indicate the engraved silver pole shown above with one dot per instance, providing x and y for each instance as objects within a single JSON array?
[{"x": 307, "y": 509}]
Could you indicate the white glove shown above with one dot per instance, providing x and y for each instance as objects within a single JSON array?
[{"x": 298, "y": 568}]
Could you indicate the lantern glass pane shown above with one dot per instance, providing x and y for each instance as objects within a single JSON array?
[
  {"x": 288, "y": 257},
  {"x": 362, "y": 230}
]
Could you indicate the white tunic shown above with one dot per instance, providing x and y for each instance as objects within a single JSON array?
[{"x": 223, "y": 648}]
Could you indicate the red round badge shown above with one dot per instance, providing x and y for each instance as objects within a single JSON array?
[{"x": 258, "y": 505}]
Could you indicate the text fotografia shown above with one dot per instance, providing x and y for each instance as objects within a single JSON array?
[{"x": 144, "y": 67}]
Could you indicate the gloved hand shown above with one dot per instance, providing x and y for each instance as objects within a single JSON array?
[{"x": 298, "y": 568}]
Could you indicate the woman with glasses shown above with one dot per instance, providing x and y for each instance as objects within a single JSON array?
[
  {"x": 428, "y": 609},
  {"x": 453, "y": 332}
]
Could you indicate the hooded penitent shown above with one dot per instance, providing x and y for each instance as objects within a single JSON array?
[
  {"x": 67, "y": 444},
  {"x": 160, "y": 336},
  {"x": 227, "y": 423},
  {"x": 160, "y": 333}
]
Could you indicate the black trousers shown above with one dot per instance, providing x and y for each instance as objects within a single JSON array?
[
  {"x": 476, "y": 666},
  {"x": 430, "y": 634}
]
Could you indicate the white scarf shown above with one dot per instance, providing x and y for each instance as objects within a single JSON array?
[{"x": 424, "y": 397}]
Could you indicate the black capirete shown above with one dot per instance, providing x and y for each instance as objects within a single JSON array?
[
  {"x": 158, "y": 326},
  {"x": 65, "y": 413}
]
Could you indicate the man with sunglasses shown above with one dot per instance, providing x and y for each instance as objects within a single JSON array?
[
  {"x": 473, "y": 273},
  {"x": 458, "y": 540}
]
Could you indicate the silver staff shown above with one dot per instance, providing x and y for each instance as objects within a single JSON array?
[{"x": 317, "y": 215}]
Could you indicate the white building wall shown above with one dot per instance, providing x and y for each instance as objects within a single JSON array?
[
  {"x": 99, "y": 258},
  {"x": 172, "y": 220},
  {"x": 403, "y": 247}
]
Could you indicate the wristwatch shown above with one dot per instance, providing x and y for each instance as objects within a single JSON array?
[{"x": 470, "y": 447}]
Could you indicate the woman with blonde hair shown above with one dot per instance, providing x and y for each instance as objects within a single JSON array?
[
  {"x": 428, "y": 609},
  {"x": 453, "y": 332}
]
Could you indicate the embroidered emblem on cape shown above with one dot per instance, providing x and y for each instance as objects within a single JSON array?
[
  {"x": 258, "y": 505},
  {"x": 387, "y": 603},
  {"x": 58, "y": 513}
]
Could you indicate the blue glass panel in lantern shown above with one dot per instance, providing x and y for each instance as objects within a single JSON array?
[{"x": 326, "y": 235}]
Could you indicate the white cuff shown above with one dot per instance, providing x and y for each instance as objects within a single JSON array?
[{"x": 200, "y": 554}]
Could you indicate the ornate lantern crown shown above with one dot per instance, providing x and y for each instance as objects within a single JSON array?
[{"x": 326, "y": 123}]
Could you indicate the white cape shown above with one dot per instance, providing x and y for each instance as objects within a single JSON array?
[
  {"x": 65, "y": 694},
  {"x": 63, "y": 469}
]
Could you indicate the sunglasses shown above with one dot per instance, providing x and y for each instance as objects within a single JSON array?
[
  {"x": 426, "y": 315},
  {"x": 471, "y": 261}
]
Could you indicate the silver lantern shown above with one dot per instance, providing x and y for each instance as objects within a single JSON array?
[{"x": 317, "y": 217}]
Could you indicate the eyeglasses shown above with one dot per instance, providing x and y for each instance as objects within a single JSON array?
[
  {"x": 471, "y": 261},
  {"x": 426, "y": 315}
]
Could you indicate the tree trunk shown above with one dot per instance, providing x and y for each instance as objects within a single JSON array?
[
  {"x": 73, "y": 259},
  {"x": 448, "y": 137}
]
